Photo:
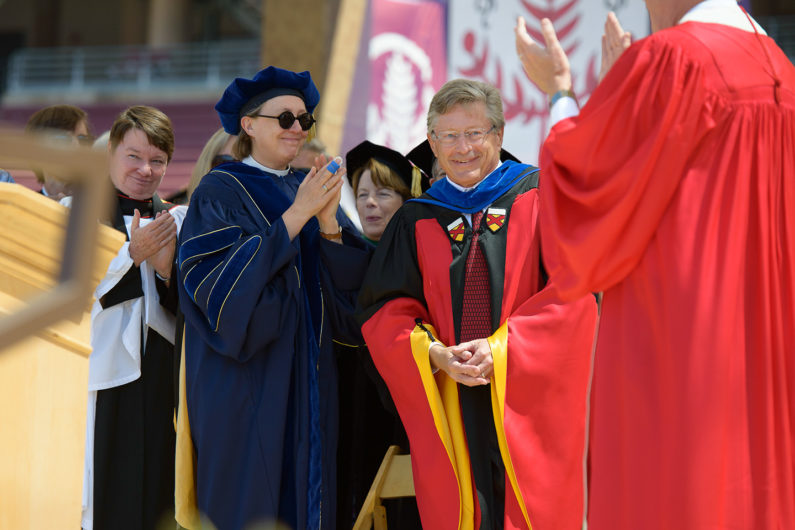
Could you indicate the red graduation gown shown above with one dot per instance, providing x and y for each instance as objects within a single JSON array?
[
  {"x": 674, "y": 193},
  {"x": 541, "y": 351}
]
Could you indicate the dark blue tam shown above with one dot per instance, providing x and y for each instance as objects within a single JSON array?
[{"x": 244, "y": 95}]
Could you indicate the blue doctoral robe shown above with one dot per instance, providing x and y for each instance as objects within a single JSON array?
[{"x": 260, "y": 373}]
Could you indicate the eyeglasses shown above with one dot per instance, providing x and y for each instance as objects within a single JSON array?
[
  {"x": 68, "y": 138},
  {"x": 287, "y": 118},
  {"x": 222, "y": 159},
  {"x": 472, "y": 136}
]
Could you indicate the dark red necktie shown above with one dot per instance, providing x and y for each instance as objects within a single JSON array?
[{"x": 476, "y": 316}]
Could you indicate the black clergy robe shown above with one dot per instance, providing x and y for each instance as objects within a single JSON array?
[
  {"x": 130, "y": 440},
  {"x": 522, "y": 437},
  {"x": 261, "y": 381}
]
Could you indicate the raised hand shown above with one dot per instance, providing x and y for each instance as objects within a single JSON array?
[
  {"x": 153, "y": 241},
  {"x": 163, "y": 259},
  {"x": 614, "y": 41},
  {"x": 327, "y": 217},
  {"x": 547, "y": 67},
  {"x": 321, "y": 160}
]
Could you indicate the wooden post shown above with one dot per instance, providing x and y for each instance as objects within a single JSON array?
[
  {"x": 45, "y": 331},
  {"x": 342, "y": 67}
]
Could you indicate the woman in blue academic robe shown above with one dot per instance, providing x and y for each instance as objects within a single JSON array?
[{"x": 268, "y": 267}]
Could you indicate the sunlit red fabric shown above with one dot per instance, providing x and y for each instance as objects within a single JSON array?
[{"x": 674, "y": 193}]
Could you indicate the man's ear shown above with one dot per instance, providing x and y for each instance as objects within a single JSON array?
[{"x": 433, "y": 147}]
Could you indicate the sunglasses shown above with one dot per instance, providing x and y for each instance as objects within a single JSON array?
[
  {"x": 287, "y": 118},
  {"x": 222, "y": 159}
]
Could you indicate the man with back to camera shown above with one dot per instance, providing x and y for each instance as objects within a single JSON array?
[{"x": 673, "y": 191}]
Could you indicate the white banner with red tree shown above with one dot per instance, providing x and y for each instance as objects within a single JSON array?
[{"x": 481, "y": 46}]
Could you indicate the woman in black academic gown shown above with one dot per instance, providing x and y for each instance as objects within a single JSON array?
[{"x": 382, "y": 180}]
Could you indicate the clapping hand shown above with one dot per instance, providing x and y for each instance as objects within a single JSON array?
[
  {"x": 547, "y": 67},
  {"x": 154, "y": 243},
  {"x": 317, "y": 194},
  {"x": 614, "y": 41},
  {"x": 327, "y": 217}
]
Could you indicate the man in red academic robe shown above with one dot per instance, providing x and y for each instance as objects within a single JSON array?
[
  {"x": 488, "y": 369},
  {"x": 673, "y": 192}
]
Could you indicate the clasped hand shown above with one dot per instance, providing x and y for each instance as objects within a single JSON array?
[{"x": 469, "y": 363}]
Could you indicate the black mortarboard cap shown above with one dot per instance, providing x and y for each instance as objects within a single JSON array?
[
  {"x": 244, "y": 95},
  {"x": 362, "y": 153},
  {"x": 422, "y": 156}
]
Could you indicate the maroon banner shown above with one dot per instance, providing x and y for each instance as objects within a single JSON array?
[{"x": 407, "y": 65}]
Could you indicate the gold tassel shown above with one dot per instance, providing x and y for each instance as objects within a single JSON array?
[{"x": 416, "y": 182}]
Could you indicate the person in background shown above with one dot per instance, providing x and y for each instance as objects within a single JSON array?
[
  {"x": 61, "y": 123},
  {"x": 130, "y": 442},
  {"x": 217, "y": 151},
  {"x": 268, "y": 268},
  {"x": 305, "y": 160},
  {"x": 382, "y": 179},
  {"x": 487, "y": 368},
  {"x": 672, "y": 191}
]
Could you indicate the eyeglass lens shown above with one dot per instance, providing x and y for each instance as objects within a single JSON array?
[{"x": 305, "y": 120}]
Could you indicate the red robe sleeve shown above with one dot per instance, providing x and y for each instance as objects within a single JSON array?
[{"x": 603, "y": 196}]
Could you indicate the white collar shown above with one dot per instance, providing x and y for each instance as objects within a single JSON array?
[
  {"x": 725, "y": 12},
  {"x": 249, "y": 161},
  {"x": 465, "y": 190}
]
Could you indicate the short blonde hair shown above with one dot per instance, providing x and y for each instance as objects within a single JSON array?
[
  {"x": 242, "y": 147},
  {"x": 464, "y": 92}
]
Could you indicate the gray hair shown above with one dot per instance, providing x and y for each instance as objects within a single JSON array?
[{"x": 464, "y": 92}]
